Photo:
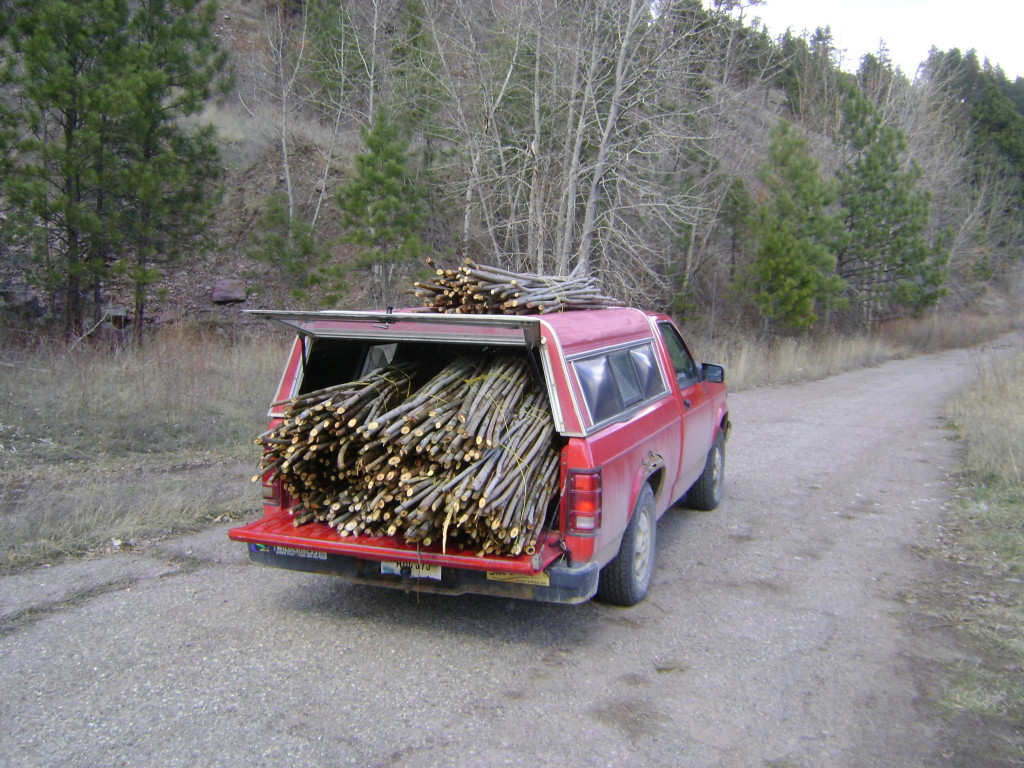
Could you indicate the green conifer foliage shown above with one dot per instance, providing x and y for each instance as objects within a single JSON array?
[
  {"x": 382, "y": 205},
  {"x": 336, "y": 63},
  {"x": 887, "y": 259},
  {"x": 289, "y": 244},
  {"x": 985, "y": 113},
  {"x": 791, "y": 279},
  {"x": 104, "y": 176}
]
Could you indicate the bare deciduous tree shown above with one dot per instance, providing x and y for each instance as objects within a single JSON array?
[{"x": 576, "y": 152}]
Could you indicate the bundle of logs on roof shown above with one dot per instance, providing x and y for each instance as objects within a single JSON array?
[
  {"x": 477, "y": 289},
  {"x": 465, "y": 458}
]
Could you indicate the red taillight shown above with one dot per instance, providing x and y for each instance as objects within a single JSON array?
[{"x": 584, "y": 502}]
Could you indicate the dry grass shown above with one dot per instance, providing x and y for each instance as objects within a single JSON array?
[
  {"x": 755, "y": 363},
  {"x": 784, "y": 360},
  {"x": 936, "y": 332},
  {"x": 990, "y": 417},
  {"x": 98, "y": 444},
  {"x": 987, "y": 539}
]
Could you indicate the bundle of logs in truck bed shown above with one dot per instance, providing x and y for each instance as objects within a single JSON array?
[
  {"x": 465, "y": 458},
  {"x": 477, "y": 289}
]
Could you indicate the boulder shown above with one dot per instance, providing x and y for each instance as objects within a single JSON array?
[
  {"x": 228, "y": 291},
  {"x": 22, "y": 303}
]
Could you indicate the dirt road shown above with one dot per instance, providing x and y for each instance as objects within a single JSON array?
[{"x": 779, "y": 632}]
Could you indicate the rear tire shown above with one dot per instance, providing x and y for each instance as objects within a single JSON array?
[
  {"x": 706, "y": 493},
  {"x": 626, "y": 579}
]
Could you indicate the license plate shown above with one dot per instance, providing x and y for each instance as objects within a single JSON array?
[{"x": 416, "y": 570}]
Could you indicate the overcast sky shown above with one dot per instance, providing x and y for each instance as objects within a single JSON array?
[{"x": 994, "y": 28}]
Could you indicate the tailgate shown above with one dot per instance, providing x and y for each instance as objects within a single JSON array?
[{"x": 279, "y": 531}]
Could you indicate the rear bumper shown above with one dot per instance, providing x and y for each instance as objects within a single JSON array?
[{"x": 558, "y": 583}]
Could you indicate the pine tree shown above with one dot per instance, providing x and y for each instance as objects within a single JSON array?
[
  {"x": 337, "y": 59},
  {"x": 414, "y": 60},
  {"x": 382, "y": 205},
  {"x": 1015, "y": 93},
  {"x": 887, "y": 259},
  {"x": 791, "y": 279},
  {"x": 172, "y": 62},
  {"x": 55, "y": 69},
  {"x": 993, "y": 125},
  {"x": 812, "y": 79},
  {"x": 289, "y": 244},
  {"x": 104, "y": 174}
]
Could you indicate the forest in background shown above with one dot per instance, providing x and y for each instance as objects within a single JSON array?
[{"x": 675, "y": 151}]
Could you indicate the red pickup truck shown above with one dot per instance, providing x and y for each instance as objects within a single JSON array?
[{"x": 639, "y": 426}]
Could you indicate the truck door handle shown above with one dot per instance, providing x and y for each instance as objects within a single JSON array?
[{"x": 686, "y": 402}]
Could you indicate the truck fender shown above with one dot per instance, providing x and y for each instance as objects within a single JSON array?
[
  {"x": 724, "y": 424},
  {"x": 650, "y": 472}
]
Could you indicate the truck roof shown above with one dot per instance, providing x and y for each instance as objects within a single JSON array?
[{"x": 580, "y": 331}]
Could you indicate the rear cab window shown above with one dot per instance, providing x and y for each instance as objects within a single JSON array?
[{"x": 617, "y": 382}]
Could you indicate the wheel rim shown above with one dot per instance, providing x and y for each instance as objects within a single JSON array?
[
  {"x": 642, "y": 547},
  {"x": 716, "y": 471}
]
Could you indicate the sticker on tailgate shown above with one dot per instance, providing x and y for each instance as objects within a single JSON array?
[
  {"x": 413, "y": 570},
  {"x": 293, "y": 552},
  {"x": 539, "y": 579}
]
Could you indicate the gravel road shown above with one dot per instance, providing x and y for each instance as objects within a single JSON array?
[{"x": 780, "y": 632}]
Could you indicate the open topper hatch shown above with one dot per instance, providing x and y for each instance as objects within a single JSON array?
[{"x": 500, "y": 330}]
